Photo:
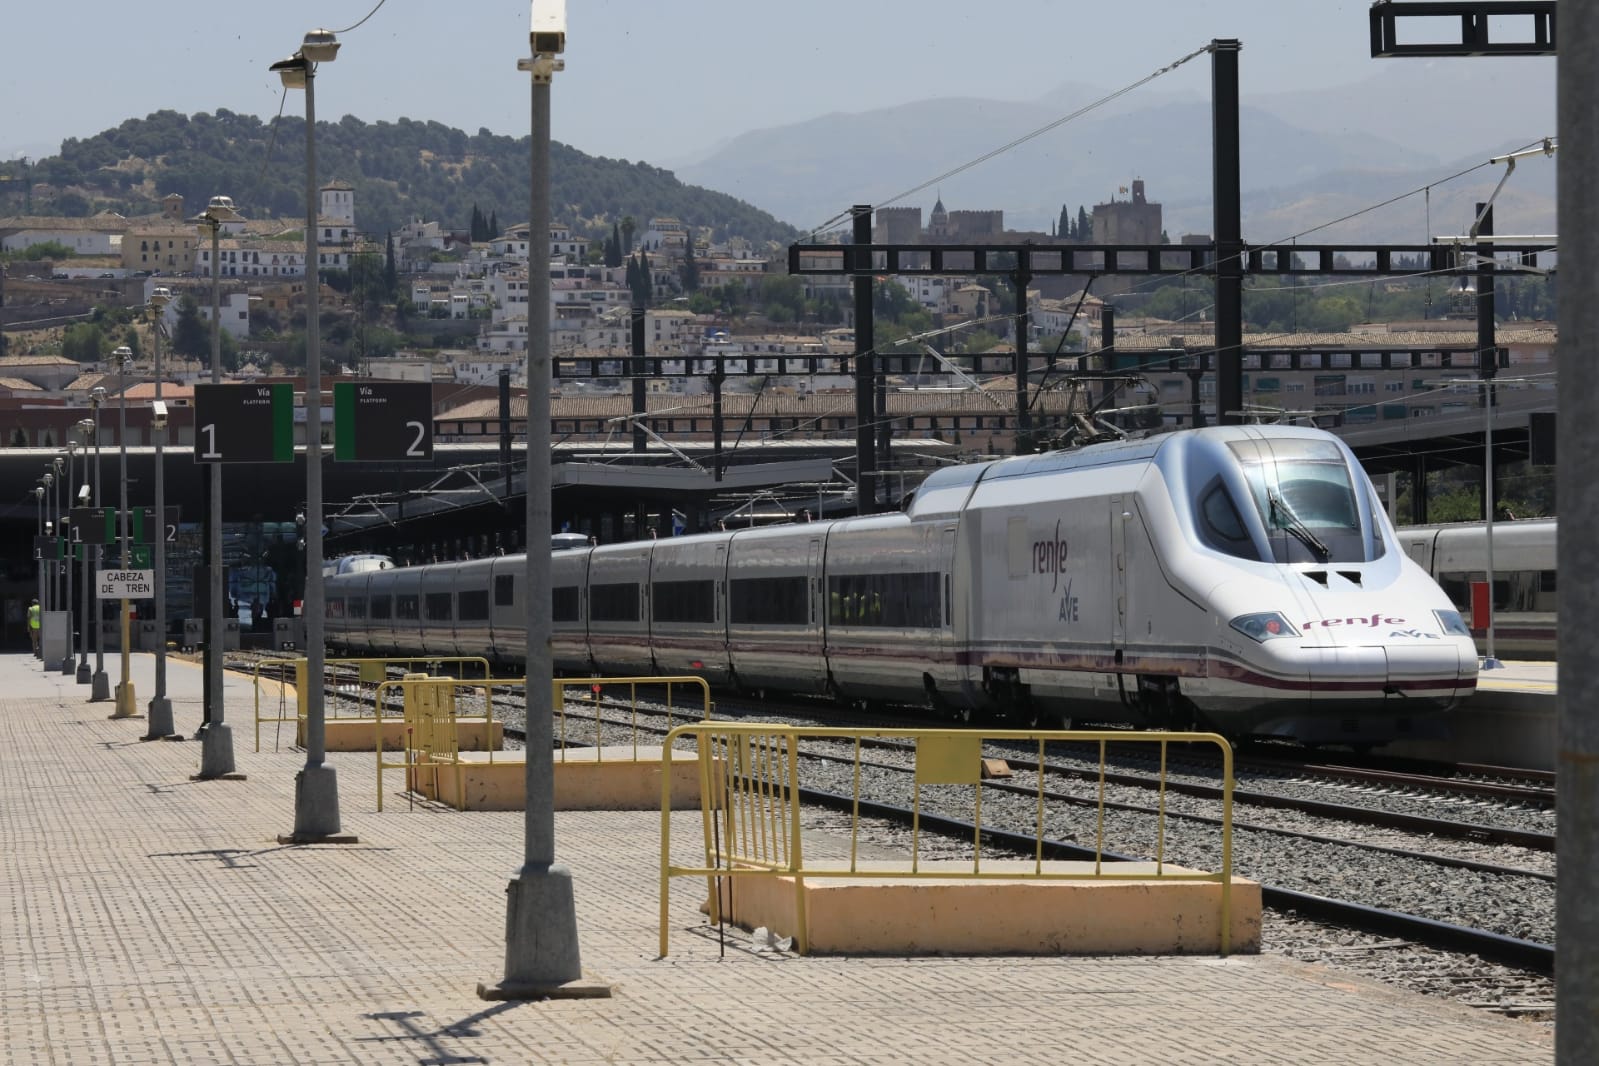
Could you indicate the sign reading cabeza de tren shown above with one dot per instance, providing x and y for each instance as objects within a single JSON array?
[{"x": 124, "y": 584}]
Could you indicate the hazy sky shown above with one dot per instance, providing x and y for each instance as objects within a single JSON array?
[{"x": 645, "y": 79}]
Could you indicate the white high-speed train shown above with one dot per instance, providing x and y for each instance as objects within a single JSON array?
[
  {"x": 1456, "y": 555},
  {"x": 1242, "y": 578}
]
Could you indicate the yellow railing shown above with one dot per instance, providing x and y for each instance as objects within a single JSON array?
[
  {"x": 751, "y": 776},
  {"x": 595, "y": 694},
  {"x": 432, "y": 728},
  {"x": 350, "y": 684},
  {"x": 432, "y": 738}
]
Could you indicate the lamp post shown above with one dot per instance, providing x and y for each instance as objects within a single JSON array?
[
  {"x": 51, "y": 510},
  {"x": 541, "y": 943},
  {"x": 159, "y": 712},
  {"x": 216, "y": 739},
  {"x": 66, "y": 559},
  {"x": 38, "y": 513},
  {"x": 101, "y": 688},
  {"x": 86, "y": 427},
  {"x": 125, "y": 699},
  {"x": 316, "y": 787}
]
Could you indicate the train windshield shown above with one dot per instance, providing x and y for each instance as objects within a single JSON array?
[{"x": 1305, "y": 496}]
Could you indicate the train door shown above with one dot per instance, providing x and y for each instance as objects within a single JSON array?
[
  {"x": 813, "y": 568},
  {"x": 945, "y": 658},
  {"x": 1118, "y": 574}
]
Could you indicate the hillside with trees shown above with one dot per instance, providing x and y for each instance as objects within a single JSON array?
[{"x": 401, "y": 171}]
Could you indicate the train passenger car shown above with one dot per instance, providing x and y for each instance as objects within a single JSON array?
[
  {"x": 619, "y": 599},
  {"x": 889, "y": 617},
  {"x": 774, "y": 608},
  {"x": 1524, "y": 586},
  {"x": 687, "y": 623}
]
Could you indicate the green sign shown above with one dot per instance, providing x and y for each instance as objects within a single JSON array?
[
  {"x": 382, "y": 421},
  {"x": 244, "y": 423}
]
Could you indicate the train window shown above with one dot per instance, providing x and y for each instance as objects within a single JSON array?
[
  {"x": 683, "y": 601},
  {"x": 563, "y": 604},
  {"x": 406, "y": 607},
  {"x": 1221, "y": 526},
  {"x": 768, "y": 601},
  {"x": 900, "y": 601},
  {"x": 473, "y": 605},
  {"x": 335, "y": 607},
  {"x": 382, "y": 608},
  {"x": 614, "y": 603},
  {"x": 355, "y": 607},
  {"x": 438, "y": 606}
]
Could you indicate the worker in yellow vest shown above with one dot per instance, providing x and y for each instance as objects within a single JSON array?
[{"x": 33, "y": 626}]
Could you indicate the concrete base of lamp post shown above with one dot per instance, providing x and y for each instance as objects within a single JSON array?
[
  {"x": 84, "y": 673},
  {"x": 316, "y": 807},
  {"x": 541, "y": 949},
  {"x": 101, "y": 690},
  {"x": 216, "y": 751},
  {"x": 67, "y": 668},
  {"x": 127, "y": 702},
  {"x": 160, "y": 716}
]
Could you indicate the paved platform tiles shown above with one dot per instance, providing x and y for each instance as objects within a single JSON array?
[{"x": 149, "y": 918}]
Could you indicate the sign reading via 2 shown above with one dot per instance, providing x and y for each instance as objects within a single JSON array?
[
  {"x": 382, "y": 420},
  {"x": 244, "y": 423}
]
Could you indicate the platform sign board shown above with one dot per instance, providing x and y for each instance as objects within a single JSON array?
[
  {"x": 124, "y": 584},
  {"x": 388, "y": 421},
  {"x": 98, "y": 525},
  {"x": 244, "y": 423}
]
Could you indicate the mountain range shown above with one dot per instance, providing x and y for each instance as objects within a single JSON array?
[{"x": 1307, "y": 157}]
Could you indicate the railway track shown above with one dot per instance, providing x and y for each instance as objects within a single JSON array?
[{"x": 1330, "y": 905}]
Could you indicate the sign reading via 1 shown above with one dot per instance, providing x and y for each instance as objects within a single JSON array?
[
  {"x": 244, "y": 423},
  {"x": 382, "y": 420}
]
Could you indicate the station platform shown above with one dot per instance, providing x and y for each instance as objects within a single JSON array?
[
  {"x": 1512, "y": 720},
  {"x": 151, "y": 918}
]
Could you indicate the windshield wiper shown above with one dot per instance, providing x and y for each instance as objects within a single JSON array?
[{"x": 1293, "y": 525}]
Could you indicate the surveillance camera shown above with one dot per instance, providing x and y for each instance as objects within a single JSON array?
[
  {"x": 158, "y": 414},
  {"x": 83, "y": 495},
  {"x": 548, "y": 34}
]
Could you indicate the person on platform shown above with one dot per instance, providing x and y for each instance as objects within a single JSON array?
[{"x": 33, "y": 626}]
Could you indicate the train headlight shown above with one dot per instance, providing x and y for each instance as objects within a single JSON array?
[
  {"x": 1452, "y": 624},
  {"x": 1263, "y": 627}
]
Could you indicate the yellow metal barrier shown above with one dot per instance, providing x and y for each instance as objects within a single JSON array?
[
  {"x": 351, "y": 682},
  {"x": 431, "y": 735},
  {"x": 595, "y": 687},
  {"x": 750, "y": 782}
]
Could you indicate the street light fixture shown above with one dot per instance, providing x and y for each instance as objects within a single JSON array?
[
  {"x": 86, "y": 427},
  {"x": 100, "y": 690},
  {"x": 159, "y": 711},
  {"x": 125, "y": 699},
  {"x": 316, "y": 789}
]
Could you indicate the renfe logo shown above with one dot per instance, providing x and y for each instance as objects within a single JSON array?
[
  {"x": 1049, "y": 557},
  {"x": 1370, "y": 623}
]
